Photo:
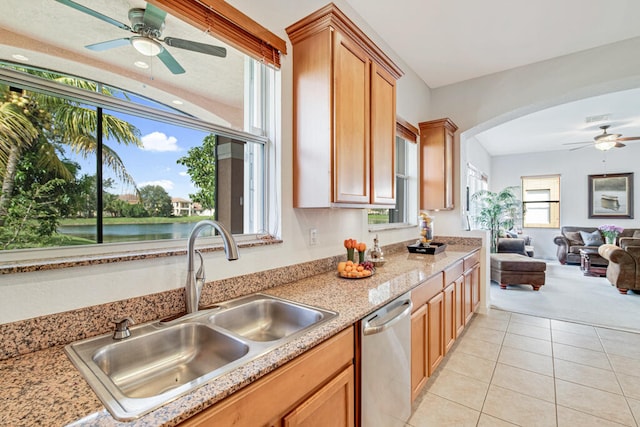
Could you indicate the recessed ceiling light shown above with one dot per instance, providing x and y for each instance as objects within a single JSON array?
[
  {"x": 19, "y": 57},
  {"x": 177, "y": 102},
  {"x": 141, "y": 64}
]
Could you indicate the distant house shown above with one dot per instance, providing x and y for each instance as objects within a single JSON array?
[
  {"x": 132, "y": 199},
  {"x": 182, "y": 207}
]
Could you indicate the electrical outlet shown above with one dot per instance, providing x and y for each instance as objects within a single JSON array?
[{"x": 313, "y": 236}]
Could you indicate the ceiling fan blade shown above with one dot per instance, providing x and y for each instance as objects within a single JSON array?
[
  {"x": 629, "y": 138},
  {"x": 99, "y": 47},
  {"x": 578, "y": 148},
  {"x": 154, "y": 17},
  {"x": 196, "y": 47},
  {"x": 170, "y": 62},
  {"x": 619, "y": 145},
  {"x": 95, "y": 14}
]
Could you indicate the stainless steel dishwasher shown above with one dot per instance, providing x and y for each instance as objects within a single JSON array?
[{"x": 386, "y": 365}]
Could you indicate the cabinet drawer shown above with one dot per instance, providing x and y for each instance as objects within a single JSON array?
[
  {"x": 426, "y": 290},
  {"x": 453, "y": 272},
  {"x": 471, "y": 260}
]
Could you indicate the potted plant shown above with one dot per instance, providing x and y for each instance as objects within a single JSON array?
[{"x": 497, "y": 211}]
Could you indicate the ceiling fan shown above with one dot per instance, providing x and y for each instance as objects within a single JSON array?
[
  {"x": 147, "y": 26},
  {"x": 605, "y": 141}
]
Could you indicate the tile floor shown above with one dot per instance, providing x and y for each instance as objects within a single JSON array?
[{"x": 512, "y": 369}]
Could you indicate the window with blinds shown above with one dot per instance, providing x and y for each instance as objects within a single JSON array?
[{"x": 541, "y": 201}]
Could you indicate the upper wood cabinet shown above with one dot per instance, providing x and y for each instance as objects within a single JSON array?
[
  {"x": 344, "y": 108},
  {"x": 436, "y": 164}
]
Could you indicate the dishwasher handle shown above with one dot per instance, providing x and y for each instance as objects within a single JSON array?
[{"x": 398, "y": 313}]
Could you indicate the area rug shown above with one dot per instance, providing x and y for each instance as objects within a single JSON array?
[{"x": 571, "y": 296}]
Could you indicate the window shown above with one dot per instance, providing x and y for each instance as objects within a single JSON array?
[
  {"x": 476, "y": 181},
  {"x": 541, "y": 201},
  {"x": 405, "y": 179},
  {"x": 160, "y": 172}
]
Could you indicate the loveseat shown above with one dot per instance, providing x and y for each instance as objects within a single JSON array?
[
  {"x": 623, "y": 271},
  {"x": 570, "y": 241}
]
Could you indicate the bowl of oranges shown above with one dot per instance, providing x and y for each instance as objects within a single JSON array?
[{"x": 354, "y": 270}]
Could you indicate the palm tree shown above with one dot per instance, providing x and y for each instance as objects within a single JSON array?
[
  {"x": 47, "y": 123},
  {"x": 497, "y": 211}
]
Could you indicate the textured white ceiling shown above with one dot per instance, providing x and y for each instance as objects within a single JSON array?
[{"x": 448, "y": 41}]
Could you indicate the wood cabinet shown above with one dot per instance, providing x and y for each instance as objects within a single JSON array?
[
  {"x": 435, "y": 341},
  {"x": 332, "y": 405},
  {"x": 426, "y": 331},
  {"x": 436, "y": 164},
  {"x": 344, "y": 90},
  {"x": 472, "y": 271},
  {"x": 460, "y": 316},
  {"x": 442, "y": 306},
  {"x": 419, "y": 363},
  {"x": 471, "y": 284},
  {"x": 316, "y": 388},
  {"x": 449, "y": 316}
]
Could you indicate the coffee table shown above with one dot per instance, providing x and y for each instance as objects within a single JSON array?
[{"x": 589, "y": 269}]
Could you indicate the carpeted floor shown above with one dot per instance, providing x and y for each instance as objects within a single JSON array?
[{"x": 569, "y": 295}]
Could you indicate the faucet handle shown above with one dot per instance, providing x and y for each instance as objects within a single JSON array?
[{"x": 122, "y": 328}]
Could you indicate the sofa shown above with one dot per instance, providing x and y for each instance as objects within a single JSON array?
[
  {"x": 623, "y": 271},
  {"x": 570, "y": 241}
]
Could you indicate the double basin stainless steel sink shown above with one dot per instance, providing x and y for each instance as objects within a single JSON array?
[{"x": 161, "y": 361}]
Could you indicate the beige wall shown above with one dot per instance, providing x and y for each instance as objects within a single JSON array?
[{"x": 28, "y": 295}]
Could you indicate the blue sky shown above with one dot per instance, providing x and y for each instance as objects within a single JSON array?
[{"x": 155, "y": 163}]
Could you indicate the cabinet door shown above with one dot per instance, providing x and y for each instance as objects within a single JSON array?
[
  {"x": 383, "y": 131},
  {"x": 459, "y": 294},
  {"x": 332, "y": 405},
  {"x": 419, "y": 367},
  {"x": 449, "y": 317},
  {"x": 351, "y": 82},
  {"x": 475, "y": 287},
  {"x": 468, "y": 296},
  {"x": 436, "y": 164},
  {"x": 435, "y": 342}
]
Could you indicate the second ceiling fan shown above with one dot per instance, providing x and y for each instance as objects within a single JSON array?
[
  {"x": 605, "y": 141},
  {"x": 147, "y": 26}
]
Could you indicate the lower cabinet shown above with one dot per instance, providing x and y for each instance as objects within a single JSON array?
[
  {"x": 332, "y": 405},
  {"x": 427, "y": 349},
  {"x": 449, "y": 316},
  {"x": 419, "y": 364},
  {"x": 315, "y": 389},
  {"x": 442, "y": 306},
  {"x": 435, "y": 342}
]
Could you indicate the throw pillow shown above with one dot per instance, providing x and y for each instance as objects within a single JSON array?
[
  {"x": 592, "y": 239},
  {"x": 574, "y": 238},
  {"x": 636, "y": 234}
]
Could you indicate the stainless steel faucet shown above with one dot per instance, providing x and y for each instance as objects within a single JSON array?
[{"x": 195, "y": 280}]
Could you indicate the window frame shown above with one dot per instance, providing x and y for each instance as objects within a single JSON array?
[
  {"x": 535, "y": 183},
  {"x": 30, "y": 256},
  {"x": 408, "y": 134}
]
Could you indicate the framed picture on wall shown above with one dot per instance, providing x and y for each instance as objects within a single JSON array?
[{"x": 611, "y": 196}]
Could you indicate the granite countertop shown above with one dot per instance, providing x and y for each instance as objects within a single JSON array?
[{"x": 43, "y": 388}]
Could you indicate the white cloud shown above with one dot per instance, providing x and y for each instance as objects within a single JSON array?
[
  {"x": 183, "y": 173},
  {"x": 164, "y": 183},
  {"x": 158, "y": 141}
]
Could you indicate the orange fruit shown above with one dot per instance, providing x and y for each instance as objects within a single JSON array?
[{"x": 341, "y": 266}]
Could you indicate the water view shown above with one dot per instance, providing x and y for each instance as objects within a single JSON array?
[{"x": 133, "y": 232}]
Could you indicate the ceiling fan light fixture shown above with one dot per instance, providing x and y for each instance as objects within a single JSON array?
[
  {"x": 146, "y": 46},
  {"x": 606, "y": 144}
]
